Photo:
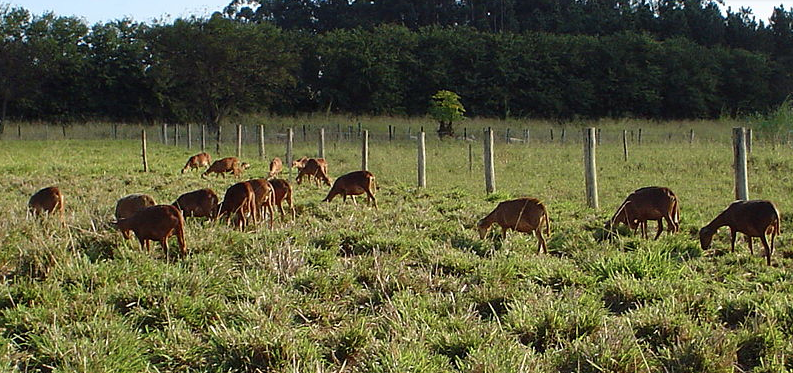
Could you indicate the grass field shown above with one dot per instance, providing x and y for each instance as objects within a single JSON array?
[{"x": 406, "y": 288}]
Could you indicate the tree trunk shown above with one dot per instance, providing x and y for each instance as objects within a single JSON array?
[
  {"x": 445, "y": 129},
  {"x": 3, "y": 114}
]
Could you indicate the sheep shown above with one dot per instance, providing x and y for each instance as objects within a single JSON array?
[
  {"x": 276, "y": 166},
  {"x": 199, "y": 160},
  {"x": 228, "y": 164},
  {"x": 158, "y": 223},
  {"x": 316, "y": 168},
  {"x": 648, "y": 203},
  {"x": 264, "y": 197},
  {"x": 129, "y": 205},
  {"x": 202, "y": 203},
  {"x": 755, "y": 218},
  {"x": 239, "y": 200},
  {"x": 522, "y": 215},
  {"x": 49, "y": 200},
  {"x": 352, "y": 184},
  {"x": 283, "y": 191}
]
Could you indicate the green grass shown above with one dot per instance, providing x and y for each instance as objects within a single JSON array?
[{"x": 406, "y": 288}]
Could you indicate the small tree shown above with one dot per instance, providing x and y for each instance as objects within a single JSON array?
[{"x": 445, "y": 107}]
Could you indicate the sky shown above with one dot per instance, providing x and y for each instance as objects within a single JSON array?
[{"x": 94, "y": 11}]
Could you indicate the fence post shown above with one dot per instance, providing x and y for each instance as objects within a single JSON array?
[
  {"x": 19, "y": 131},
  {"x": 749, "y": 141},
  {"x": 509, "y": 141},
  {"x": 115, "y": 131},
  {"x": 465, "y": 133},
  {"x": 691, "y": 136},
  {"x": 203, "y": 137},
  {"x": 551, "y": 134},
  {"x": 189, "y": 135},
  {"x": 422, "y": 164},
  {"x": 408, "y": 133},
  {"x": 290, "y": 136},
  {"x": 338, "y": 131},
  {"x": 625, "y": 144},
  {"x": 597, "y": 135},
  {"x": 590, "y": 172},
  {"x": 261, "y": 141},
  {"x": 165, "y": 133},
  {"x": 321, "y": 150},
  {"x": 176, "y": 135},
  {"x": 359, "y": 129},
  {"x": 470, "y": 157},
  {"x": 640, "y": 136},
  {"x": 739, "y": 153},
  {"x": 526, "y": 136},
  {"x": 490, "y": 177},
  {"x": 564, "y": 135},
  {"x": 143, "y": 150},
  {"x": 304, "y": 133},
  {"x": 365, "y": 150},
  {"x": 390, "y": 133},
  {"x": 217, "y": 140}
]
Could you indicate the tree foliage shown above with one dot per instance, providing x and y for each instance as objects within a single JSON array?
[{"x": 445, "y": 107}]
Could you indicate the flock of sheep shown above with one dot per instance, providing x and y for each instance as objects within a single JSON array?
[{"x": 257, "y": 197}]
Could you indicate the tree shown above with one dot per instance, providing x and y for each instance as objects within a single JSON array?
[{"x": 446, "y": 108}]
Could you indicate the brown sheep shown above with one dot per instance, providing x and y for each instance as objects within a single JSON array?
[
  {"x": 316, "y": 168},
  {"x": 299, "y": 163},
  {"x": 523, "y": 215},
  {"x": 283, "y": 191},
  {"x": 239, "y": 200},
  {"x": 276, "y": 166},
  {"x": 202, "y": 203},
  {"x": 265, "y": 198},
  {"x": 129, "y": 205},
  {"x": 156, "y": 223},
  {"x": 754, "y": 218},
  {"x": 352, "y": 184},
  {"x": 199, "y": 160},
  {"x": 648, "y": 203},
  {"x": 225, "y": 165},
  {"x": 49, "y": 200}
]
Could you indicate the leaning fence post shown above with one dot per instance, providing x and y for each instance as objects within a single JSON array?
[
  {"x": 365, "y": 150},
  {"x": 143, "y": 150},
  {"x": 590, "y": 144},
  {"x": 490, "y": 177},
  {"x": 422, "y": 161},
  {"x": 321, "y": 143},
  {"x": 625, "y": 144},
  {"x": 739, "y": 153},
  {"x": 290, "y": 136}
]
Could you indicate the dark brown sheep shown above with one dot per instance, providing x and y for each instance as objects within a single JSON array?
[
  {"x": 202, "y": 203},
  {"x": 756, "y": 218},
  {"x": 156, "y": 223},
  {"x": 199, "y": 160},
  {"x": 49, "y": 200},
  {"x": 225, "y": 165},
  {"x": 283, "y": 191},
  {"x": 316, "y": 168},
  {"x": 129, "y": 205},
  {"x": 240, "y": 201},
  {"x": 649, "y": 203},
  {"x": 353, "y": 184},
  {"x": 523, "y": 215}
]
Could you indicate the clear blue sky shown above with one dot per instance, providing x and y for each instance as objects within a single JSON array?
[{"x": 145, "y": 10}]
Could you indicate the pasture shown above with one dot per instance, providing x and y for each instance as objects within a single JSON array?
[{"x": 406, "y": 288}]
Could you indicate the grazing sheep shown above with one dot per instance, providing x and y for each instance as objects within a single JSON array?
[
  {"x": 228, "y": 164},
  {"x": 352, "y": 184},
  {"x": 755, "y": 218},
  {"x": 47, "y": 200},
  {"x": 239, "y": 200},
  {"x": 283, "y": 191},
  {"x": 649, "y": 203},
  {"x": 156, "y": 223},
  {"x": 129, "y": 205},
  {"x": 199, "y": 160},
  {"x": 522, "y": 215},
  {"x": 276, "y": 166},
  {"x": 202, "y": 203},
  {"x": 265, "y": 198},
  {"x": 316, "y": 168}
]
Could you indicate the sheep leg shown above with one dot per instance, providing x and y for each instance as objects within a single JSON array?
[
  {"x": 751, "y": 249},
  {"x": 543, "y": 248},
  {"x": 144, "y": 245},
  {"x": 768, "y": 249},
  {"x": 643, "y": 226},
  {"x": 671, "y": 226},
  {"x": 732, "y": 240},
  {"x": 371, "y": 198},
  {"x": 353, "y": 200},
  {"x": 660, "y": 228},
  {"x": 164, "y": 243}
]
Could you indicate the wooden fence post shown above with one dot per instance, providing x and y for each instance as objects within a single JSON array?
[
  {"x": 143, "y": 150},
  {"x": 470, "y": 157},
  {"x": 203, "y": 137},
  {"x": 115, "y": 131},
  {"x": 290, "y": 137},
  {"x": 218, "y": 139},
  {"x": 526, "y": 136},
  {"x": 509, "y": 141},
  {"x": 422, "y": 161},
  {"x": 239, "y": 141},
  {"x": 490, "y": 177},
  {"x": 739, "y": 155},
  {"x": 176, "y": 134},
  {"x": 19, "y": 131},
  {"x": 189, "y": 135},
  {"x": 305, "y": 136},
  {"x": 590, "y": 172},
  {"x": 640, "y": 136},
  {"x": 625, "y": 144},
  {"x": 365, "y": 150},
  {"x": 390, "y": 133},
  {"x": 597, "y": 135},
  {"x": 551, "y": 134},
  {"x": 165, "y": 133},
  {"x": 691, "y": 136},
  {"x": 321, "y": 144},
  {"x": 749, "y": 141},
  {"x": 564, "y": 135}
]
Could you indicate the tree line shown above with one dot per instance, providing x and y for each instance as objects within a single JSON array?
[{"x": 546, "y": 65}]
